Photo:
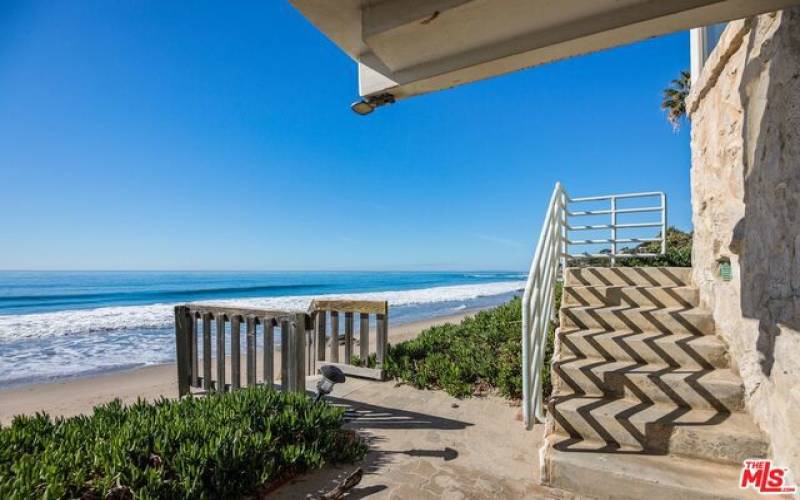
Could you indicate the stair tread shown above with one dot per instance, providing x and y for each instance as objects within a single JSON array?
[
  {"x": 656, "y": 336},
  {"x": 635, "y": 287},
  {"x": 639, "y": 309},
  {"x": 684, "y": 387},
  {"x": 678, "y": 276},
  {"x": 736, "y": 423},
  {"x": 717, "y": 375},
  {"x": 694, "y": 320},
  {"x": 628, "y": 333},
  {"x": 646, "y": 475}
]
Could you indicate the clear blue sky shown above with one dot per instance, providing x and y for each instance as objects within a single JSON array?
[{"x": 198, "y": 135}]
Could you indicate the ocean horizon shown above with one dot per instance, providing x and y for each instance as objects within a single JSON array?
[{"x": 57, "y": 324}]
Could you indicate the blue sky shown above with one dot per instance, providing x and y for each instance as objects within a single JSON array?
[{"x": 193, "y": 135}]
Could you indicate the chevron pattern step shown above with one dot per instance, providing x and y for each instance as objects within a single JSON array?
[
  {"x": 639, "y": 319},
  {"x": 660, "y": 429},
  {"x": 643, "y": 391},
  {"x": 719, "y": 390},
  {"x": 633, "y": 296},
  {"x": 580, "y": 467},
  {"x": 628, "y": 276},
  {"x": 671, "y": 349}
]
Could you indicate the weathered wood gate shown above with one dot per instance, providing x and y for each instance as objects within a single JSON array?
[{"x": 210, "y": 356}]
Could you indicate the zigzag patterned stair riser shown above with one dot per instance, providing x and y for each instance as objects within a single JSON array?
[
  {"x": 639, "y": 374},
  {"x": 670, "y": 349},
  {"x": 633, "y": 296}
]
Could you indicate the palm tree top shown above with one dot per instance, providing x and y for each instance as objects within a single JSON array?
[{"x": 674, "y": 99}]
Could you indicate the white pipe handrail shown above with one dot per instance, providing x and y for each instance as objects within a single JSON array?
[{"x": 552, "y": 250}]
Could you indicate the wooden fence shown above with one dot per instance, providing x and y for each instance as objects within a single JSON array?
[
  {"x": 333, "y": 309},
  {"x": 208, "y": 337},
  {"x": 193, "y": 323}
]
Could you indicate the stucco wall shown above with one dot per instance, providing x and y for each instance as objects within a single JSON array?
[{"x": 745, "y": 115}]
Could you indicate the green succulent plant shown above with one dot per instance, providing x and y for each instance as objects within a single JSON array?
[{"x": 217, "y": 446}]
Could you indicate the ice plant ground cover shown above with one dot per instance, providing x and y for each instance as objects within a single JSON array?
[
  {"x": 483, "y": 351},
  {"x": 218, "y": 446}
]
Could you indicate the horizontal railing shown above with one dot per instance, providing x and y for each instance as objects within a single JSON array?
[
  {"x": 550, "y": 258},
  {"x": 613, "y": 226}
]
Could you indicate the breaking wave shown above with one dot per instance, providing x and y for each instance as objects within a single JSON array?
[{"x": 158, "y": 316}]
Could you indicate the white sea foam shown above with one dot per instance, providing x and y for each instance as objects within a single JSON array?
[{"x": 104, "y": 319}]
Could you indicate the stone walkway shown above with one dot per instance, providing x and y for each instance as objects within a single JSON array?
[{"x": 426, "y": 444}]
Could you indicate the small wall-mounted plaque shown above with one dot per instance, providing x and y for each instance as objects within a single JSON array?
[{"x": 725, "y": 271}]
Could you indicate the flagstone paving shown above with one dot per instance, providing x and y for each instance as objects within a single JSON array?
[{"x": 426, "y": 444}]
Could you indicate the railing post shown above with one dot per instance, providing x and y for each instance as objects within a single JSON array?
[
  {"x": 297, "y": 354},
  {"x": 207, "y": 382},
  {"x": 182, "y": 334},
  {"x": 613, "y": 230},
  {"x": 663, "y": 223},
  {"x": 563, "y": 234},
  {"x": 363, "y": 339},
  {"x": 250, "y": 344},
  {"x": 334, "y": 336},
  {"x": 381, "y": 337},
  {"x": 311, "y": 358},
  {"x": 348, "y": 337},
  {"x": 221, "y": 352},
  {"x": 286, "y": 347},
  {"x": 269, "y": 351},
  {"x": 236, "y": 354},
  {"x": 321, "y": 327}
]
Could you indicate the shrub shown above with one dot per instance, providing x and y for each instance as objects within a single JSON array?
[
  {"x": 679, "y": 253},
  {"x": 217, "y": 446},
  {"x": 483, "y": 350}
]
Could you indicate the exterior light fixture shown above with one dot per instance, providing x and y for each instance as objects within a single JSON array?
[
  {"x": 368, "y": 104},
  {"x": 362, "y": 107},
  {"x": 330, "y": 377}
]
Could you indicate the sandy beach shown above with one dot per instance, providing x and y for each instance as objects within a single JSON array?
[{"x": 78, "y": 396}]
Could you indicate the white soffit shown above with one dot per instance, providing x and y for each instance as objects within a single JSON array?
[{"x": 410, "y": 47}]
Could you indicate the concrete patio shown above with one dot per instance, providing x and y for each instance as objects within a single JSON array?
[{"x": 426, "y": 444}]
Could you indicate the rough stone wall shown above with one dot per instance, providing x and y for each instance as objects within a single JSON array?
[{"x": 745, "y": 114}]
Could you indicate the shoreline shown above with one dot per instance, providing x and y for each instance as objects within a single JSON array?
[{"x": 79, "y": 395}]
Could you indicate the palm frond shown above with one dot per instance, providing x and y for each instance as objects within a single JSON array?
[{"x": 674, "y": 99}]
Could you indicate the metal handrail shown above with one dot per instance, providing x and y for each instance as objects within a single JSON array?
[{"x": 549, "y": 260}]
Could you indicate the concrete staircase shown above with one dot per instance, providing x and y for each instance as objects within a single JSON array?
[{"x": 644, "y": 402}]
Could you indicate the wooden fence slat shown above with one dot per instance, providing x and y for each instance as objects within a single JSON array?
[
  {"x": 285, "y": 355},
  {"x": 269, "y": 351},
  {"x": 236, "y": 355},
  {"x": 207, "y": 382},
  {"x": 334, "y": 336},
  {"x": 348, "y": 337},
  {"x": 182, "y": 334},
  {"x": 321, "y": 327},
  {"x": 381, "y": 338},
  {"x": 194, "y": 364},
  {"x": 300, "y": 333},
  {"x": 251, "y": 351},
  {"x": 221, "y": 352},
  {"x": 299, "y": 359},
  {"x": 311, "y": 358},
  {"x": 363, "y": 338}
]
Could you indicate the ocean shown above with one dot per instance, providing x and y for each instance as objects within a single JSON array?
[{"x": 55, "y": 325}]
